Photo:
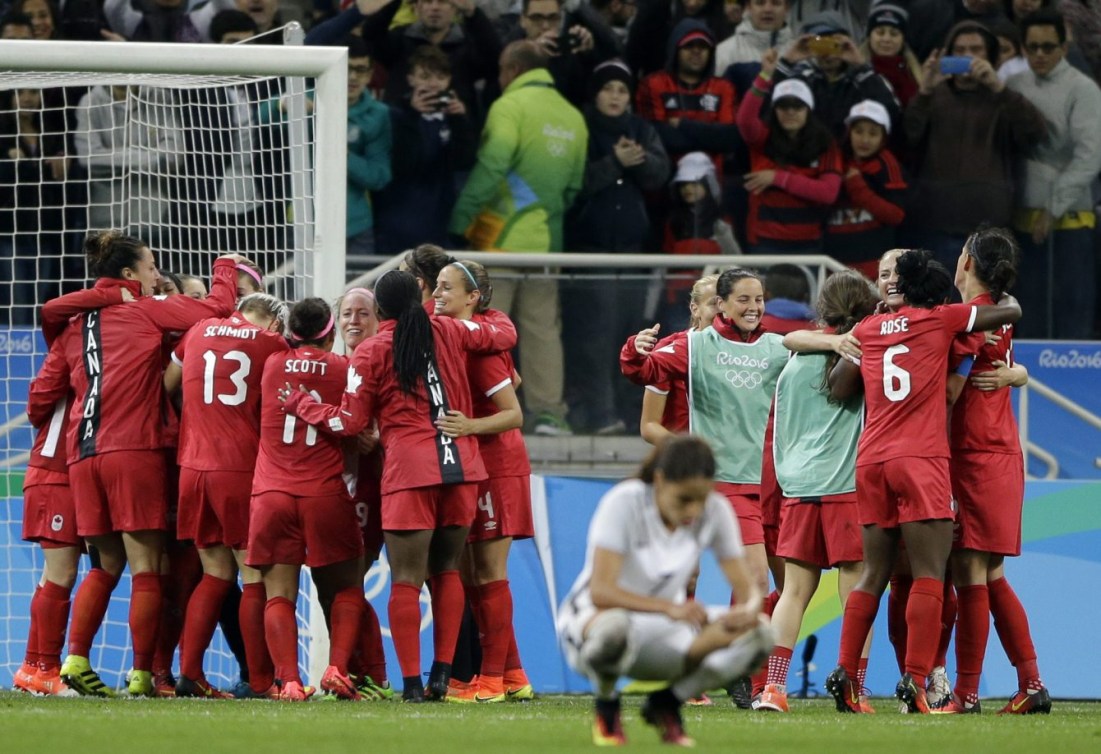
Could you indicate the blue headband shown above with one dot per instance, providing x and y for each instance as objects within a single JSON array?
[{"x": 462, "y": 267}]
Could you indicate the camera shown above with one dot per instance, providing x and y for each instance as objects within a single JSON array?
[
  {"x": 953, "y": 65},
  {"x": 568, "y": 42},
  {"x": 442, "y": 102},
  {"x": 823, "y": 46}
]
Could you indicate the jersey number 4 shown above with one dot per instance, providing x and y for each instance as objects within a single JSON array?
[
  {"x": 237, "y": 378},
  {"x": 896, "y": 380}
]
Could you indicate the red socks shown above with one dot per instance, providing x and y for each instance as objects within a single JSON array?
[
  {"x": 760, "y": 678},
  {"x": 493, "y": 611},
  {"x": 896, "y": 617},
  {"x": 202, "y": 613},
  {"x": 447, "y": 614},
  {"x": 778, "y": 663},
  {"x": 373, "y": 658},
  {"x": 947, "y": 624},
  {"x": 347, "y": 616},
  {"x": 974, "y": 628},
  {"x": 145, "y": 616},
  {"x": 1011, "y": 623},
  {"x": 922, "y": 610},
  {"x": 261, "y": 672},
  {"x": 282, "y": 635},
  {"x": 862, "y": 673},
  {"x": 89, "y": 607},
  {"x": 860, "y": 610},
  {"x": 405, "y": 627},
  {"x": 31, "y": 657},
  {"x": 50, "y": 616}
]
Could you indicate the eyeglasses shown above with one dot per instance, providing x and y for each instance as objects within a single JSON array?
[
  {"x": 1045, "y": 47},
  {"x": 544, "y": 19},
  {"x": 359, "y": 70}
]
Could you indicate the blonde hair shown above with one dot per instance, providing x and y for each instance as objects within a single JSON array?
[{"x": 696, "y": 296}]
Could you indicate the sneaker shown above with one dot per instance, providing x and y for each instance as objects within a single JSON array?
[
  {"x": 953, "y": 705},
  {"x": 490, "y": 690},
  {"x": 461, "y": 692},
  {"x": 703, "y": 700},
  {"x": 774, "y": 698},
  {"x": 517, "y": 686},
  {"x": 607, "y": 727},
  {"x": 413, "y": 694},
  {"x": 913, "y": 695},
  {"x": 617, "y": 427},
  {"x": 741, "y": 692},
  {"x": 49, "y": 683},
  {"x": 198, "y": 689},
  {"x": 938, "y": 690},
  {"x": 243, "y": 690},
  {"x": 1028, "y": 702},
  {"x": 164, "y": 685},
  {"x": 339, "y": 684},
  {"x": 293, "y": 691},
  {"x": 549, "y": 425},
  {"x": 79, "y": 676},
  {"x": 368, "y": 689},
  {"x": 24, "y": 678},
  {"x": 846, "y": 695},
  {"x": 140, "y": 683},
  {"x": 667, "y": 720}
]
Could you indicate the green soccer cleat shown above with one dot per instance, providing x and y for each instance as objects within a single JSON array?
[
  {"x": 78, "y": 675},
  {"x": 141, "y": 683},
  {"x": 368, "y": 689}
]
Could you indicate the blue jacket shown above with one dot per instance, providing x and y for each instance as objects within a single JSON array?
[{"x": 369, "y": 142}]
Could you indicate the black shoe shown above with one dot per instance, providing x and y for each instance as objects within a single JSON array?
[
  {"x": 413, "y": 691},
  {"x": 438, "y": 680},
  {"x": 741, "y": 692},
  {"x": 662, "y": 710},
  {"x": 844, "y": 692}
]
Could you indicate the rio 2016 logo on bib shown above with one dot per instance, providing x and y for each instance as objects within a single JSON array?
[
  {"x": 724, "y": 359},
  {"x": 743, "y": 378}
]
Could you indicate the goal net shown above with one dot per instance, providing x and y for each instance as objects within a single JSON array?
[{"x": 199, "y": 150}]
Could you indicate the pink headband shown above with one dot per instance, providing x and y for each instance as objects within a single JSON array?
[
  {"x": 319, "y": 336},
  {"x": 362, "y": 291},
  {"x": 251, "y": 273}
]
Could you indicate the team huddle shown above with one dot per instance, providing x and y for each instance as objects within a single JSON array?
[{"x": 200, "y": 437}]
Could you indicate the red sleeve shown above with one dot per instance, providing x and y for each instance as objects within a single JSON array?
[
  {"x": 181, "y": 312},
  {"x": 354, "y": 413},
  {"x": 963, "y": 346},
  {"x": 488, "y": 337},
  {"x": 56, "y": 312},
  {"x": 649, "y": 102},
  {"x": 49, "y": 386},
  {"x": 728, "y": 99},
  {"x": 630, "y": 361},
  {"x": 753, "y": 129},
  {"x": 667, "y": 361},
  {"x": 862, "y": 195},
  {"x": 821, "y": 190}
]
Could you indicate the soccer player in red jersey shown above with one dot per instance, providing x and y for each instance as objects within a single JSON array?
[
  {"x": 116, "y": 440},
  {"x": 217, "y": 369},
  {"x": 407, "y": 376},
  {"x": 988, "y": 482},
  {"x": 301, "y": 512},
  {"x": 903, "y": 487},
  {"x": 463, "y": 291}
]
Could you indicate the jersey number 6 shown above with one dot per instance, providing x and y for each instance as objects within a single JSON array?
[{"x": 896, "y": 380}]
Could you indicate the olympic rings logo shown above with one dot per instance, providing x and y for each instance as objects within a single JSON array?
[{"x": 744, "y": 379}]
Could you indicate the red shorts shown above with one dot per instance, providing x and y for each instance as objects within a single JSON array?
[
  {"x": 504, "y": 509},
  {"x": 746, "y": 501},
  {"x": 48, "y": 515},
  {"x": 119, "y": 491},
  {"x": 291, "y": 530},
  {"x": 433, "y": 507},
  {"x": 823, "y": 532},
  {"x": 369, "y": 515},
  {"x": 903, "y": 490},
  {"x": 214, "y": 508},
  {"x": 772, "y": 539},
  {"x": 989, "y": 490}
]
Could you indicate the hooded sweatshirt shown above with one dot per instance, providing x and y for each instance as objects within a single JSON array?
[{"x": 743, "y": 51}]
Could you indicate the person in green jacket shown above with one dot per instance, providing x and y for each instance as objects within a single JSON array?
[
  {"x": 531, "y": 165},
  {"x": 369, "y": 141}
]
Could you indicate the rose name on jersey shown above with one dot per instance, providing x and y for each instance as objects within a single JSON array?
[
  {"x": 894, "y": 326},
  {"x": 305, "y": 366}
]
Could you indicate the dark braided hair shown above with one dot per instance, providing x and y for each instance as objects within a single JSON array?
[
  {"x": 110, "y": 252},
  {"x": 922, "y": 280},
  {"x": 399, "y": 298},
  {"x": 994, "y": 252}
]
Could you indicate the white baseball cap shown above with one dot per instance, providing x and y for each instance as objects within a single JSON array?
[
  {"x": 871, "y": 110},
  {"x": 796, "y": 88}
]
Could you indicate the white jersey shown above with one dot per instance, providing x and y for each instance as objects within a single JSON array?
[{"x": 657, "y": 562}]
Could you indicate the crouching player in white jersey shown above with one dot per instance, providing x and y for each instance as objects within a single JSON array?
[{"x": 627, "y": 613}]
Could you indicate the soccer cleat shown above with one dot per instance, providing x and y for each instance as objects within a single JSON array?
[
  {"x": 913, "y": 695},
  {"x": 938, "y": 690},
  {"x": 339, "y": 685},
  {"x": 953, "y": 705},
  {"x": 164, "y": 684},
  {"x": 438, "y": 679},
  {"x": 369, "y": 690},
  {"x": 517, "y": 686},
  {"x": 607, "y": 727},
  {"x": 846, "y": 695},
  {"x": 666, "y": 718},
  {"x": 293, "y": 691},
  {"x": 774, "y": 698},
  {"x": 741, "y": 692},
  {"x": 866, "y": 707},
  {"x": 140, "y": 683},
  {"x": 49, "y": 683},
  {"x": 461, "y": 692},
  {"x": 79, "y": 676},
  {"x": 199, "y": 689},
  {"x": 245, "y": 691},
  {"x": 1028, "y": 702},
  {"x": 490, "y": 690},
  {"x": 412, "y": 695},
  {"x": 24, "y": 678}
]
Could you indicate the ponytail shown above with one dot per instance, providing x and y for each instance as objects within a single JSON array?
[{"x": 398, "y": 298}]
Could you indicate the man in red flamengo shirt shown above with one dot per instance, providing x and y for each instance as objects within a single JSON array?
[
  {"x": 218, "y": 366},
  {"x": 903, "y": 487},
  {"x": 116, "y": 440}
]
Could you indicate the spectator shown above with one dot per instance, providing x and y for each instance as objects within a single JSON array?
[
  {"x": 852, "y": 15},
  {"x": 1055, "y": 217},
  {"x": 787, "y": 300},
  {"x": 1083, "y": 18},
  {"x": 433, "y": 139},
  {"x": 232, "y": 27},
  {"x": 862, "y": 223},
  {"x": 267, "y": 15},
  {"x": 626, "y": 159},
  {"x": 969, "y": 128},
  {"x": 574, "y": 41},
  {"x": 888, "y": 52},
  {"x": 531, "y": 165},
  {"x": 696, "y": 225},
  {"x": 656, "y": 20},
  {"x": 1011, "y": 58},
  {"x": 163, "y": 20},
  {"x": 618, "y": 15},
  {"x": 764, "y": 27},
  {"x": 16, "y": 26},
  {"x": 691, "y": 108},
  {"x": 827, "y": 60},
  {"x": 45, "y": 23}
]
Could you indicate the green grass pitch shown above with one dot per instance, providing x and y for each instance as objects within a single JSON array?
[{"x": 550, "y": 724}]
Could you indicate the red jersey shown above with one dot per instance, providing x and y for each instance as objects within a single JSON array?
[
  {"x": 904, "y": 367},
  {"x": 114, "y": 362},
  {"x": 295, "y": 457},
  {"x": 504, "y": 454},
  {"x": 223, "y": 361},
  {"x": 416, "y": 453},
  {"x": 675, "y": 416},
  {"x": 983, "y": 420},
  {"x": 49, "y": 415}
]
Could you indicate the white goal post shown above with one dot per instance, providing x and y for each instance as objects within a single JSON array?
[{"x": 177, "y": 105}]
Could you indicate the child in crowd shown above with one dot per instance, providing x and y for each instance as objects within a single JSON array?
[
  {"x": 886, "y": 49},
  {"x": 870, "y": 207},
  {"x": 787, "y": 300}
]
